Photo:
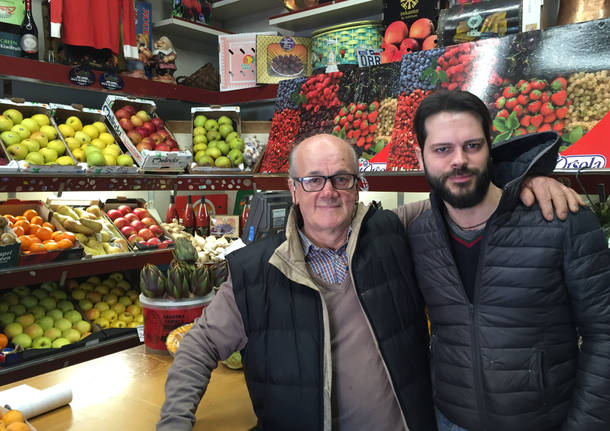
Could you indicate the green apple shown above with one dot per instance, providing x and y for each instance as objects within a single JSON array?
[
  {"x": 82, "y": 137},
  {"x": 3, "y": 307},
  {"x": 24, "y": 340},
  {"x": 85, "y": 304},
  {"x": 11, "y": 298},
  {"x": 73, "y": 316},
  {"x": 13, "y": 329},
  {"x": 29, "y": 301},
  {"x": 62, "y": 324},
  {"x": 49, "y": 131},
  {"x": 200, "y": 120},
  {"x": 31, "y": 124},
  {"x": 45, "y": 322},
  {"x": 199, "y": 131},
  {"x": 59, "y": 343},
  {"x": 223, "y": 119},
  {"x": 124, "y": 160},
  {"x": 18, "y": 151},
  {"x": 6, "y": 318},
  {"x": 211, "y": 124},
  {"x": 42, "y": 342},
  {"x": 213, "y": 152},
  {"x": 58, "y": 146},
  {"x": 48, "y": 303},
  {"x": 237, "y": 144},
  {"x": 236, "y": 157},
  {"x": 18, "y": 309},
  {"x": 92, "y": 131},
  {"x": 199, "y": 147},
  {"x": 222, "y": 162},
  {"x": 52, "y": 333},
  {"x": 35, "y": 158},
  {"x": 225, "y": 129},
  {"x": 41, "y": 138},
  {"x": 59, "y": 295},
  {"x": 78, "y": 294},
  {"x": 102, "y": 306},
  {"x": 40, "y": 293},
  {"x": 21, "y": 290},
  {"x": 110, "y": 299},
  {"x": 74, "y": 122},
  {"x": 223, "y": 147},
  {"x": 118, "y": 308},
  {"x": 125, "y": 301},
  {"x": 22, "y": 131},
  {"x": 71, "y": 334},
  {"x": 41, "y": 119},
  {"x": 82, "y": 326},
  {"x": 14, "y": 115},
  {"x": 65, "y": 305},
  {"x": 34, "y": 330},
  {"x": 104, "y": 323},
  {"x": 55, "y": 314},
  {"x": 133, "y": 324},
  {"x": 5, "y": 123},
  {"x": 231, "y": 136},
  {"x": 49, "y": 154},
  {"x": 109, "y": 314},
  {"x": 213, "y": 135},
  {"x": 10, "y": 138},
  {"x": 95, "y": 158},
  {"x": 125, "y": 317},
  {"x": 200, "y": 140},
  {"x": 38, "y": 311}
]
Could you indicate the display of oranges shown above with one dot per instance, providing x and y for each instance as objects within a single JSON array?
[{"x": 37, "y": 235}]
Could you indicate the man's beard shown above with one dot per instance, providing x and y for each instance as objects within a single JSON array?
[{"x": 467, "y": 199}]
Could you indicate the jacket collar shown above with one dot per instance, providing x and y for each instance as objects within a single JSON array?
[{"x": 289, "y": 258}]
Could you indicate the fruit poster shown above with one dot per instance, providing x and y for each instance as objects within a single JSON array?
[{"x": 556, "y": 79}]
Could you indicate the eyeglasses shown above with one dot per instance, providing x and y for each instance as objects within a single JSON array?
[{"x": 315, "y": 183}]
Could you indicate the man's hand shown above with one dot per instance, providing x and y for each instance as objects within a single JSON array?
[{"x": 550, "y": 194}]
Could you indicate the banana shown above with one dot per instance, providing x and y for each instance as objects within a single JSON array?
[
  {"x": 61, "y": 219},
  {"x": 94, "y": 225},
  {"x": 77, "y": 227},
  {"x": 95, "y": 210}
]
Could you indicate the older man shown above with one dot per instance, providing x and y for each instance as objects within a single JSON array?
[{"x": 327, "y": 316}]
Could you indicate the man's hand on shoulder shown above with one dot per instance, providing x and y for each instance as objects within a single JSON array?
[{"x": 550, "y": 194}]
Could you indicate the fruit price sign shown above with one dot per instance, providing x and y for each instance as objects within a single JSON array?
[{"x": 531, "y": 82}]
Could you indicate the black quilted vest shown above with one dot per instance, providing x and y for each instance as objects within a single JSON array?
[{"x": 283, "y": 360}]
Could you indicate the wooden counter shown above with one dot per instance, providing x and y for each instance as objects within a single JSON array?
[{"x": 125, "y": 390}]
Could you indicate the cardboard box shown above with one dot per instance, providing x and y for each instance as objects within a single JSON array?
[
  {"x": 16, "y": 207},
  {"x": 214, "y": 112},
  {"x": 237, "y": 60},
  {"x": 88, "y": 116},
  {"x": 28, "y": 109},
  {"x": 110, "y": 204},
  {"x": 150, "y": 161},
  {"x": 282, "y": 57}
]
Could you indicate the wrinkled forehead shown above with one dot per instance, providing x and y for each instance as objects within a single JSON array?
[{"x": 323, "y": 156}]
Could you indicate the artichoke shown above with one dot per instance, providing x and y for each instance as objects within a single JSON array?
[
  {"x": 184, "y": 251},
  {"x": 219, "y": 273},
  {"x": 178, "y": 280},
  {"x": 200, "y": 281},
  {"x": 152, "y": 281}
]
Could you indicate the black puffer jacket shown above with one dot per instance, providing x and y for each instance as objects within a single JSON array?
[{"x": 510, "y": 359}]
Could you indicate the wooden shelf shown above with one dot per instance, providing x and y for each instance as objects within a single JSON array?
[
  {"x": 327, "y": 14},
  {"x": 227, "y": 9},
  {"x": 57, "y": 74},
  {"x": 192, "y": 31},
  {"x": 56, "y": 271}
]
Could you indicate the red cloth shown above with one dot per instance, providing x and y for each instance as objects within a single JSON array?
[{"x": 95, "y": 23}]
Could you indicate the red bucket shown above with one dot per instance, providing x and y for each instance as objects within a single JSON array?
[{"x": 161, "y": 316}]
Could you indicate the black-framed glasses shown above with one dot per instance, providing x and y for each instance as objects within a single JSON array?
[{"x": 315, "y": 183}]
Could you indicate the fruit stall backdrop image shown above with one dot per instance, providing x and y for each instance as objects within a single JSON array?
[{"x": 556, "y": 79}]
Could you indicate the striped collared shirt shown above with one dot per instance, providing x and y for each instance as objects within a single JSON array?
[{"x": 330, "y": 265}]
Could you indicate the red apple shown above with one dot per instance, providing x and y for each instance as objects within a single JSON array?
[
  {"x": 149, "y": 221},
  {"x": 144, "y": 146},
  {"x": 114, "y": 214},
  {"x": 159, "y": 124},
  {"x": 409, "y": 45},
  {"x": 140, "y": 212},
  {"x": 153, "y": 241},
  {"x": 143, "y": 131},
  {"x": 122, "y": 113},
  {"x": 124, "y": 209},
  {"x": 130, "y": 109},
  {"x": 145, "y": 233},
  {"x": 127, "y": 231},
  {"x": 421, "y": 29},
  {"x": 135, "y": 137},
  {"x": 150, "y": 126},
  {"x": 171, "y": 142},
  {"x": 396, "y": 32},
  {"x": 137, "y": 121},
  {"x": 137, "y": 225},
  {"x": 162, "y": 147},
  {"x": 121, "y": 222},
  {"x": 134, "y": 238},
  {"x": 131, "y": 217},
  {"x": 156, "y": 230},
  {"x": 126, "y": 124},
  {"x": 175, "y": 149},
  {"x": 164, "y": 133},
  {"x": 156, "y": 137}
]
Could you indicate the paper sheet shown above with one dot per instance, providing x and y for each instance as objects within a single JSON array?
[{"x": 33, "y": 402}]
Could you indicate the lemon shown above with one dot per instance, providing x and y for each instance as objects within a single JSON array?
[
  {"x": 107, "y": 138},
  {"x": 101, "y": 127},
  {"x": 66, "y": 130},
  {"x": 91, "y": 131}
]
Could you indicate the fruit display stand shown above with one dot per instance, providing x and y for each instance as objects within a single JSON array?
[
  {"x": 149, "y": 158},
  {"x": 34, "y": 142},
  {"x": 81, "y": 118}
]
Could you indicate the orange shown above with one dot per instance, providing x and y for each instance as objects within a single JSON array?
[
  {"x": 34, "y": 229},
  {"x": 57, "y": 235},
  {"x": 70, "y": 236},
  {"x": 20, "y": 218},
  {"x": 29, "y": 214},
  {"x": 3, "y": 342},
  {"x": 49, "y": 225},
  {"x": 44, "y": 233},
  {"x": 50, "y": 245},
  {"x": 37, "y": 220},
  {"x": 34, "y": 238},
  {"x": 18, "y": 230},
  {"x": 24, "y": 224},
  {"x": 18, "y": 426},
  {"x": 26, "y": 242},
  {"x": 64, "y": 243},
  {"x": 11, "y": 218},
  {"x": 37, "y": 246},
  {"x": 12, "y": 416}
]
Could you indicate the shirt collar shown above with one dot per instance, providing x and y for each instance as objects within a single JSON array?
[{"x": 308, "y": 246}]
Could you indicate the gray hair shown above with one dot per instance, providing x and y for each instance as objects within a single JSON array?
[{"x": 292, "y": 169}]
